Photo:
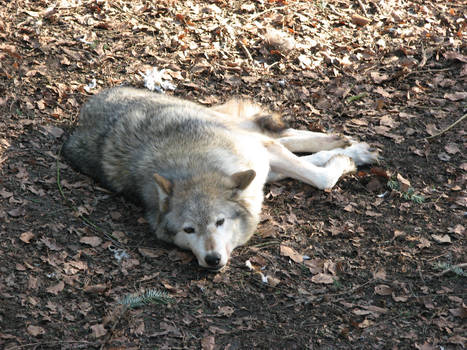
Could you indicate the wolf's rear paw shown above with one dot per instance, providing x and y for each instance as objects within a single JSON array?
[{"x": 362, "y": 153}]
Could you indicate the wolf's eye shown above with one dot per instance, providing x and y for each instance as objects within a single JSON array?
[
  {"x": 189, "y": 230},
  {"x": 220, "y": 222}
]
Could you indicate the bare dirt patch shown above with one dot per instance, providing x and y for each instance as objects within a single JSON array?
[{"x": 378, "y": 262}]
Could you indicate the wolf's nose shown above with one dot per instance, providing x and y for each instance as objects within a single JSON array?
[{"x": 213, "y": 259}]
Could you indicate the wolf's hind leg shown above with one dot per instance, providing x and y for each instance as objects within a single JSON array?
[
  {"x": 284, "y": 163},
  {"x": 360, "y": 152},
  {"x": 308, "y": 141}
]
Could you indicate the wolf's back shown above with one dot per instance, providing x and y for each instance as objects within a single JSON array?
[{"x": 125, "y": 135}]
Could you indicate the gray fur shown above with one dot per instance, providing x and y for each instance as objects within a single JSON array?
[{"x": 127, "y": 135}]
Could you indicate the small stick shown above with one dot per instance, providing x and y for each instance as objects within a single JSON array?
[
  {"x": 246, "y": 50},
  {"x": 451, "y": 268},
  {"x": 448, "y": 128},
  {"x": 363, "y": 8}
]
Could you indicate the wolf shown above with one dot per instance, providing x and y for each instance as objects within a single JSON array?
[{"x": 199, "y": 172}]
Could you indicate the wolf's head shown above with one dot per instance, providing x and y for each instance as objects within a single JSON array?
[{"x": 209, "y": 215}]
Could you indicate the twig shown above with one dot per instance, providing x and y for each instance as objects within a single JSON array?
[
  {"x": 246, "y": 51},
  {"x": 424, "y": 57},
  {"x": 363, "y": 8},
  {"x": 449, "y": 269},
  {"x": 35, "y": 345},
  {"x": 448, "y": 128}
]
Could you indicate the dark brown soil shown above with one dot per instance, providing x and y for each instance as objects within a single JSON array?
[{"x": 376, "y": 263}]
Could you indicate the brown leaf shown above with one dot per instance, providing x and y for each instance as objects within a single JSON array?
[
  {"x": 378, "y": 78},
  {"x": 50, "y": 243},
  {"x": 380, "y": 274},
  {"x": 226, "y": 311},
  {"x": 26, "y": 236},
  {"x": 452, "y": 55},
  {"x": 273, "y": 281},
  {"x": 456, "y": 96},
  {"x": 5, "y": 194},
  {"x": 388, "y": 121},
  {"x": 424, "y": 243},
  {"x": 323, "y": 278},
  {"x": 315, "y": 265},
  {"x": 360, "y": 20},
  {"x": 461, "y": 311},
  {"x": 208, "y": 343},
  {"x": 57, "y": 288},
  {"x": 442, "y": 238},
  {"x": 96, "y": 288},
  {"x": 151, "y": 253},
  {"x": 452, "y": 148},
  {"x": 458, "y": 339},
  {"x": 365, "y": 323},
  {"x": 93, "y": 241},
  {"x": 17, "y": 212},
  {"x": 401, "y": 298},
  {"x": 291, "y": 253},
  {"x": 98, "y": 330},
  {"x": 404, "y": 183},
  {"x": 425, "y": 346},
  {"x": 383, "y": 289},
  {"x": 35, "y": 330},
  {"x": 398, "y": 233},
  {"x": 53, "y": 130}
]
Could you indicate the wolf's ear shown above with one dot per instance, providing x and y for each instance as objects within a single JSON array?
[
  {"x": 242, "y": 179},
  {"x": 164, "y": 184}
]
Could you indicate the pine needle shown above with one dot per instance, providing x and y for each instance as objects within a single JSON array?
[{"x": 151, "y": 296}]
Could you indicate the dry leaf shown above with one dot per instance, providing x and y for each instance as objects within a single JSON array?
[
  {"x": 461, "y": 311},
  {"x": 398, "y": 233},
  {"x": 208, "y": 343},
  {"x": 458, "y": 339},
  {"x": 378, "y": 78},
  {"x": 323, "y": 278},
  {"x": 401, "y": 298},
  {"x": 98, "y": 330},
  {"x": 57, "y": 288},
  {"x": 360, "y": 20},
  {"x": 273, "y": 281},
  {"x": 380, "y": 274},
  {"x": 26, "y": 236},
  {"x": 452, "y": 148},
  {"x": 441, "y": 238},
  {"x": 291, "y": 253},
  {"x": 35, "y": 330},
  {"x": 365, "y": 323},
  {"x": 96, "y": 288},
  {"x": 453, "y": 55},
  {"x": 383, "y": 289},
  {"x": 226, "y": 311},
  {"x": 456, "y": 96},
  {"x": 424, "y": 243},
  {"x": 151, "y": 253},
  {"x": 93, "y": 241},
  {"x": 404, "y": 183},
  {"x": 53, "y": 130}
]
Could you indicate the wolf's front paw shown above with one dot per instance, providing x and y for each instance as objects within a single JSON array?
[{"x": 362, "y": 153}]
